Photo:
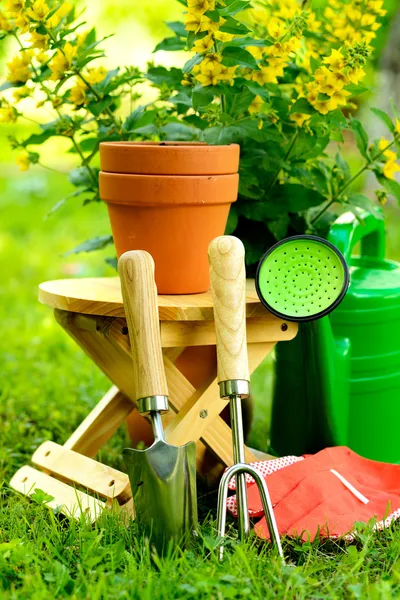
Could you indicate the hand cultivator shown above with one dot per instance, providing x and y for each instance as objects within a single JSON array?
[{"x": 228, "y": 286}]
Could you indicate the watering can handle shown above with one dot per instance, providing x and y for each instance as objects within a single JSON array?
[
  {"x": 139, "y": 291},
  {"x": 228, "y": 288},
  {"x": 347, "y": 230}
]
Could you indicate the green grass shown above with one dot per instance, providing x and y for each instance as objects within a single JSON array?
[{"x": 47, "y": 385}]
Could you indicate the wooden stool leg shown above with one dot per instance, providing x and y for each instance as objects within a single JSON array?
[{"x": 100, "y": 424}]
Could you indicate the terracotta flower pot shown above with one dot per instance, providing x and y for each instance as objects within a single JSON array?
[{"x": 170, "y": 199}]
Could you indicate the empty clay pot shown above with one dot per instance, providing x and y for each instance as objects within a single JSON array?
[{"x": 170, "y": 200}]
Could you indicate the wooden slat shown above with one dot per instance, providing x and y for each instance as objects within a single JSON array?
[
  {"x": 76, "y": 469},
  {"x": 102, "y": 296},
  {"x": 71, "y": 502},
  {"x": 267, "y": 328},
  {"x": 100, "y": 424}
]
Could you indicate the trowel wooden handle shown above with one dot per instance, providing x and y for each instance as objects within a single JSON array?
[
  {"x": 139, "y": 291},
  {"x": 228, "y": 288}
]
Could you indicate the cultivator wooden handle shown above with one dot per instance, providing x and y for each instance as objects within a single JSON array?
[
  {"x": 228, "y": 288},
  {"x": 136, "y": 270}
]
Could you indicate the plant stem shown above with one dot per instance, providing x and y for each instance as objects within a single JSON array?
[
  {"x": 275, "y": 177},
  {"x": 348, "y": 183}
]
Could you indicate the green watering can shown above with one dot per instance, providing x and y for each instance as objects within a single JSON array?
[{"x": 338, "y": 381}]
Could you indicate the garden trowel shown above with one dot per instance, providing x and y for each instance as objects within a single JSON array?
[{"x": 162, "y": 477}]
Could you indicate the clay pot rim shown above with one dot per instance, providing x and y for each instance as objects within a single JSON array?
[
  {"x": 167, "y": 190},
  {"x": 162, "y": 146},
  {"x": 149, "y": 176}
]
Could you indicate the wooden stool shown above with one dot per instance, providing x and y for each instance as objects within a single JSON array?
[{"x": 92, "y": 312}]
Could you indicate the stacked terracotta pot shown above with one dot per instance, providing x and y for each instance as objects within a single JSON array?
[{"x": 171, "y": 199}]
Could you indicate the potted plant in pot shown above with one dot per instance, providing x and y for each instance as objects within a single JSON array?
[{"x": 276, "y": 78}]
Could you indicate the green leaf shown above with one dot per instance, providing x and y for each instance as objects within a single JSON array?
[
  {"x": 80, "y": 177},
  {"x": 41, "y": 497},
  {"x": 361, "y": 137},
  {"x": 303, "y": 106},
  {"x": 162, "y": 76},
  {"x": 201, "y": 96},
  {"x": 171, "y": 44},
  {"x": 384, "y": 117},
  {"x": 298, "y": 198},
  {"x": 233, "y": 26},
  {"x": 96, "y": 243},
  {"x": 178, "y": 131},
  {"x": 7, "y": 85},
  {"x": 96, "y": 108},
  {"x": 238, "y": 56},
  {"x": 343, "y": 166},
  {"x": 249, "y": 186},
  {"x": 239, "y": 103},
  {"x": 279, "y": 227},
  {"x": 257, "y": 90},
  {"x": 112, "y": 261},
  {"x": 213, "y": 15},
  {"x": 39, "y": 138},
  {"x": 361, "y": 201},
  {"x": 195, "y": 60},
  {"x": 356, "y": 90},
  {"x": 184, "y": 98},
  {"x": 232, "y": 221},
  {"x": 235, "y": 7},
  {"x": 177, "y": 27},
  {"x": 247, "y": 41}
]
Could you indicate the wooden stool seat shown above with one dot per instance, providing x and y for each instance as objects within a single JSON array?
[{"x": 92, "y": 312}]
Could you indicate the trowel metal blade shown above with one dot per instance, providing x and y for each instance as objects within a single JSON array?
[{"x": 163, "y": 482}]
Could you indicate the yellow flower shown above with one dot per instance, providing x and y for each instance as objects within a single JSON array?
[
  {"x": 77, "y": 95},
  {"x": 390, "y": 168},
  {"x": 5, "y": 24},
  {"x": 390, "y": 155},
  {"x": 208, "y": 24},
  {"x": 56, "y": 101},
  {"x": 23, "y": 161},
  {"x": 223, "y": 37},
  {"x": 256, "y": 105},
  {"x": 323, "y": 106},
  {"x": 95, "y": 74},
  {"x": 19, "y": 67},
  {"x": 199, "y": 7},
  {"x": 192, "y": 22},
  {"x": 211, "y": 64},
  {"x": 62, "y": 61},
  {"x": 335, "y": 60},
  {"x": 22, "y": 23},
  {"x": 38, "y": 41},
  {"x": 355, "y": 74},
  {"x": 8, "y": 114},
  {"x": 210, "y": 70},
  {"x": 255, "y": 51},
  {"x": 397, "y": 126},
  {"x": 15, "y": 6},
  {"x": 276, "y": 27},
  {"x": 39, "y": 10},
  {"x": 383, "y": 143},
  {"x": 299, "y": 118},
  {"x": 21, "y": 92},
  {"x": 227, "y": 74},
  {"x": 204, "y": 44},
  {"x": 339, "y": 97},
  {"x": 337, "y": 80},
  {"x": 62, "y": 12},
  {"x": 80, "y": 40},
  {"x": 41, "y": 56}
]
